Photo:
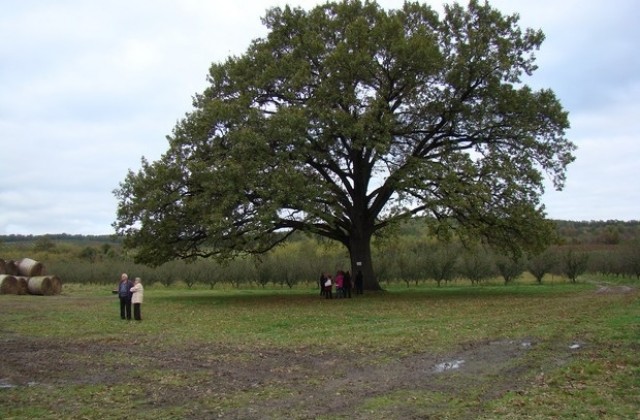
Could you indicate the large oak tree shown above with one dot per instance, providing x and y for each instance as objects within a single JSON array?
[{"x": 348, "y": 118}]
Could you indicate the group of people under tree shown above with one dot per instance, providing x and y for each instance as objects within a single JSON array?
[
  {"x": 130, "y": 293},
  {"x": 343, "y": 283}
]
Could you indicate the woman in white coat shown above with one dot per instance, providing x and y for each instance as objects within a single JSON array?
[{"x": 136, "y": 299}]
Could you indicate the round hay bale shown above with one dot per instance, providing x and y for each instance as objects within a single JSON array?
[
  {"x": 8, "y": 284},
  {"x": 40, "y": 285},
  {"x": 11, "y": 268},
  {"x": 23, "y": 285},
  {"x": 56, "y": 285},
  {"x": 3, "y": 268},
  {"x": 30, "y": 268}
]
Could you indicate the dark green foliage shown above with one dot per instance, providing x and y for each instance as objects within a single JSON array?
[
  {"x": 89, "y": 253},
  {"x": 443, "y": 263},
  {"x": 510, "y": 268},
  {"x": 574, "y": 264},
  {"x": 542, "y": 264},
  {"x": 44, "y": 244},
  {"x": 477, "y": 265},
  {"x": 631, "y": 259}
]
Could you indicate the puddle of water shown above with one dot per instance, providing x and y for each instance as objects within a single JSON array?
[
  {"x": 4, "y": 384},
  {"x": 452, "y": 365}
]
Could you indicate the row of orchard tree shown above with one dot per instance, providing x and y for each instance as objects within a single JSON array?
[
  {"x": 445, "y": 263},
  {"x": 406, "y": 260}
]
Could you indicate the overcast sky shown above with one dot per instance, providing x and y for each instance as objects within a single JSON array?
[{"x": 88, "y": 88}]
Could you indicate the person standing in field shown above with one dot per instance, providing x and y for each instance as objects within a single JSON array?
[
  {"x": 347, "y": 284},
  {"x": 328, "y": 285},
  {"x": 323, "y": 279},
  {"x": 359, "y": 282},
  {"x": 339, "y": 281},
  {"x": 136, "y": 299},
  {"x": 124, "y": 293}
]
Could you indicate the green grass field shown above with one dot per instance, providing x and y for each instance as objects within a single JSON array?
[{"x": 555, "y": 350}]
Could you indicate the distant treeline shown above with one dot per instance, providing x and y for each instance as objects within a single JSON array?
[
  {"x": 610, "y": 248},
  {"x": 60, "y": 237},
  {"x": 609, "y": 232}
]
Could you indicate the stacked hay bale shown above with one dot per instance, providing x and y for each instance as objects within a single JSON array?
[
  {"x": 23, "y": 285},
  {"x": 29, "y": 268},
  {"x": 8, "y": 284},
  {"x": 27, "y": 276},
  {"x": 10, "y": 267}
]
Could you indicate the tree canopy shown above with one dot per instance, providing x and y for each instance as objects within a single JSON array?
[{"x": 348, "y": 118}]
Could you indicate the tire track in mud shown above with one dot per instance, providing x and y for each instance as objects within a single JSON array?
[{"x": 310, "y": 382}]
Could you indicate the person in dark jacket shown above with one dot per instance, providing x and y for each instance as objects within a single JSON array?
[
  {"x": 359, "y": 283},
  {"x": 323, "y": 279},
  {"x": 124, "y": 293},
  {"x": 347, "y": 285}
]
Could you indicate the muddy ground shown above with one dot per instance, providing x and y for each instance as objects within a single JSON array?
[{"x": 278, "y": 384}]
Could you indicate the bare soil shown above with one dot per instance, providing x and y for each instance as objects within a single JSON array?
[{"x": 277, "y": 383}]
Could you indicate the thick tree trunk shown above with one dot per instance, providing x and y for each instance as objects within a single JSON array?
[
  {"x": 362, "y": 224},
  {"x": 360, "y": 254}
]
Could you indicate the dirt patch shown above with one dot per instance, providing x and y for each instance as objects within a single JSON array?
[{"x": 275, "y": 383}]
